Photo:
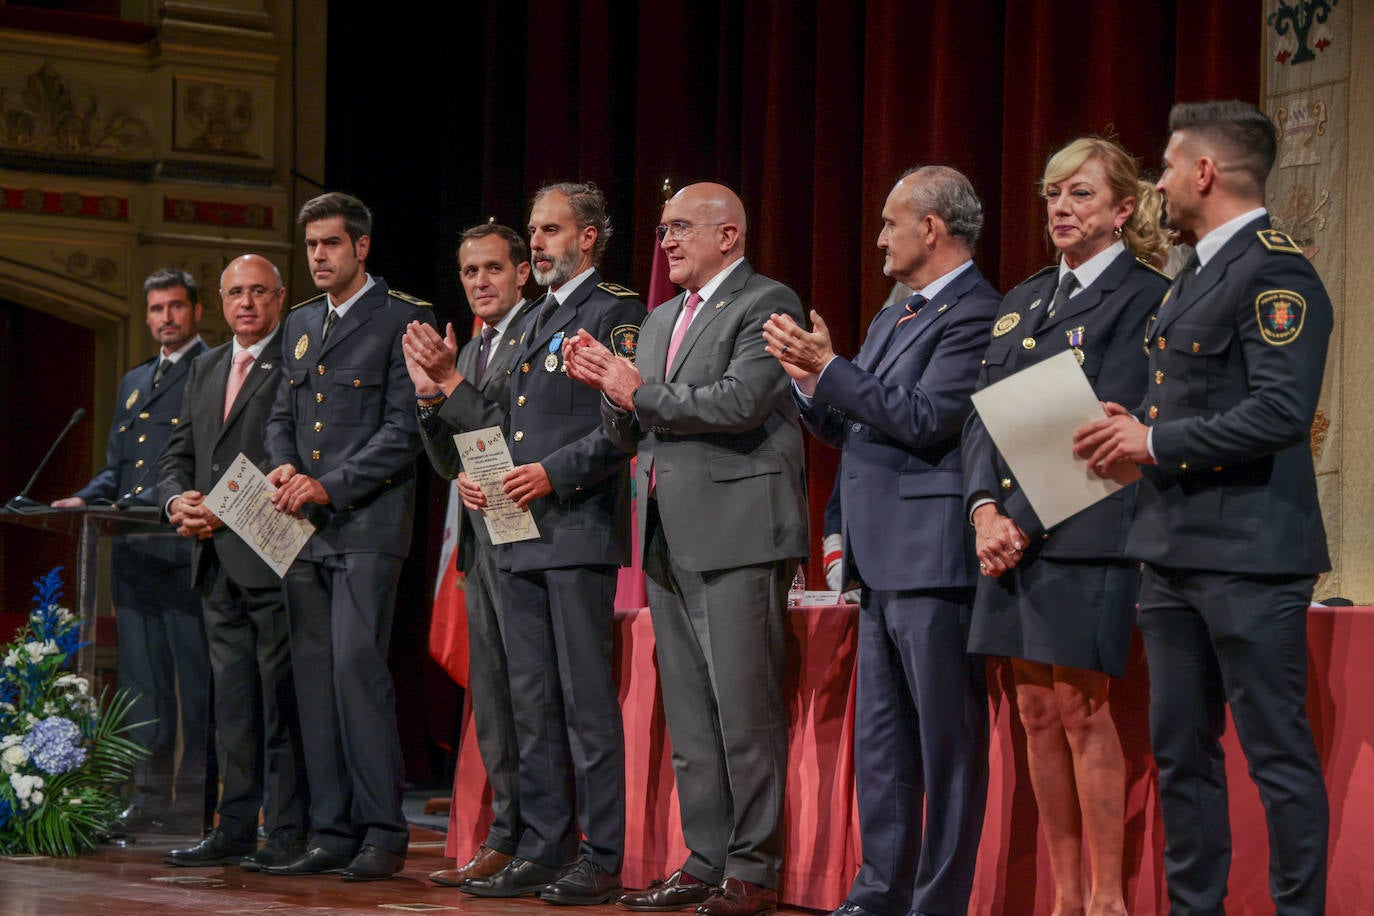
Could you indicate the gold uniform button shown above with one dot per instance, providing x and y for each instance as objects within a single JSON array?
[
  {"x": 176, "y": 420},
  {"x": 1183, "y": 465},
  {"x": 524, "y": 367},
  {"x": 1006, "y": 483},
  {"x": 318, "y": 426},
  {"x": 519, "y": 435},
  {"x": 144, "y": 415},
  {"x": 320, "y": 368},
  {"x": 520, "y": 401},
  {"x": 138, "y": 490},
  {"x": 1160, "y": 342},
  {"x": 1196, "y": 346},
  {"x": 143, "y": 438},
  {"x": 1154, "y": 412},
  {"x": 357, "y": 383},
  {"x": 138, "y": 463},
  {"x": 1045, "y": 536},
  {"x": 319, "y": 397},
  {"x": 315, "y": 454},
  {"x": 291, "y": 382},
  {"x": 985, "y": 362},
  {"x": 123, "y": 428},
  {"x": 1028, "y": 343},
  {"x": 1159, "y": 377}
]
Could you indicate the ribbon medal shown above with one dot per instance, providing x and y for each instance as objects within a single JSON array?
[
  {"x": 1075, "y": 336},
  {"x": 551, "y": 361}
]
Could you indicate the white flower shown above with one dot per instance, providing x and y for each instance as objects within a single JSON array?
[
  {"x": 12, "y": 658},
  {"x": 39, "y": 650},
  {"x": 26, "y": 786},
  {"x": 15, "y": 756},
  {"x": 10, "y": 741},
  {"x": 74, "y": 801},
  {"x": 79, "y": 684},
  {"x": 36, "y": 798}
]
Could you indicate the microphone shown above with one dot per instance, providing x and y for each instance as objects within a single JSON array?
[{"x": 21, "y": 502}]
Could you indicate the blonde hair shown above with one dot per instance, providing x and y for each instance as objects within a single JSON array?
[{"x": 1141, "y": 232}]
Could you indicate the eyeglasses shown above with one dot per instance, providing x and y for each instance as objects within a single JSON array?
[
  {"x": 677, "y": 229},
  {"x": 258, "y": 293}
]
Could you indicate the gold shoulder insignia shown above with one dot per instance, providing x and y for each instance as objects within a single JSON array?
[
  {"x": 615, "y": 289},
  {"x": 407, "y": 297},
  {"x": 309, "y": 301},
  {"x": 1041, "y": 273},
  {"x": 1275, "y": 240},
  {"x": 1148, "y": 266}
]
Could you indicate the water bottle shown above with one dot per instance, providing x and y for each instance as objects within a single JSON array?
[{"x": 797, "y": 590}]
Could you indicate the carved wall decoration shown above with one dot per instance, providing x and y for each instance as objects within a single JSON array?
[
  {"x": 47, "y": 117},
  {"x": 216, "y": 117},
  {"x": 1320, "y": 425},
  {"x": 218, "y": 213},
  {"x": 65, "y": 203},
  {"x": 1298, "y": 126},
  {"x": 81, "y": 266},
  {"x": 1302, "y": 219}
]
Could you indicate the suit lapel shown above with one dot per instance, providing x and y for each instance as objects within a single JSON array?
[
  {"x": 1091, "y": 295},
  {"x": 356, "y": 317},
  {"x": 258, "y": 375},
  {"x": 538, "y": 340},
  {"x": 176, "y": 372},
  {"x": 903, "y": 337},
  {"x": 502, "y": 353},
  {"x": 1210, "y": 274},
  {"x": 879, "y": 333},
  {"x": 706, "y": 313}
]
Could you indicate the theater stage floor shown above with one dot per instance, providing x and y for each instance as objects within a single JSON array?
[{"x": 133, "y": 881}]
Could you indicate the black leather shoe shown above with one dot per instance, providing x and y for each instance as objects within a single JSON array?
[
  {"x": 314, "y": 861},
  {"x": 215, "y": 849},
  {"x": 583, "y": 884},
  {"x": 850, "y": 909},
  {"x": 373, "y": 863},
  {"x": 518, "y": 879},
  {"x": 679, "y": 891},
  {"x": 283, "y": 846}
]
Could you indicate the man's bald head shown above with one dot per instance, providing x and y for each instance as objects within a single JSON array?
[
  {"x": 704, "y": 234},
  {"x": 253, "y": 297}
]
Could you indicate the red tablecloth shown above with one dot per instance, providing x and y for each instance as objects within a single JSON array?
[{"x": 1013, "y": 866}]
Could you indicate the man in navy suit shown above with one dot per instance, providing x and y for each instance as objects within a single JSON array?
[
  {"x": 342, "y": 440},
  {"x": 493, "y": 265},
  {"x": 896, "y": 411},
  {"x": 1227, "y": 520},
  {"x": 557, "y": 591},
  {"x": 162, "y": 651},
  {"x": 229, "y": 395}
]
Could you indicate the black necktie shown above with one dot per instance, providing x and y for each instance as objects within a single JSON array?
[
  {"x": 161, "y": 370},
  {"x": 329, "y": 321},
  {"x": 1066, "y": 288},
  {"x": 1182, "y": 279},
  {"x": 483, "y": 355},
  {"x": 547, "y": 306}
]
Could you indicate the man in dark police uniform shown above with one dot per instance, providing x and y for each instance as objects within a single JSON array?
[{"x": 1227, "y": 519}]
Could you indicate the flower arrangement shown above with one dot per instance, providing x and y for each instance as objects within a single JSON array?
[{"x": 63, "y": 752}]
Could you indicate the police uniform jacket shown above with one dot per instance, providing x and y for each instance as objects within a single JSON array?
[
  {"x": 556, "y": 422},
  {"x": 485, "y": 405},
  {"x": 206, "y": 443},
  {"x": 1103, "y": 323},
  {"x": 898, "y": 410},
  {"x": 345, "y": 415},
  {"x": 1235, "y": 369}
]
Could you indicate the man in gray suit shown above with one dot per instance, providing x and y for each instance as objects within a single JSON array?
[
  {"x": 723, "y": 524},
  {"x": 493, "y": 265}
]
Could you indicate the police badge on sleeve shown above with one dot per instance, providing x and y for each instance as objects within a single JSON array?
[{"x": 1280, "y": 313}]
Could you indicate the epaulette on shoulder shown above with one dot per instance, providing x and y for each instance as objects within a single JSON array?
[
  {"x": 1277, "y": 240},
  {"x": 615, "y": 289},
  {"x": 1042, "y": 272},
  {"x": 308, "y": 301},
  {"x": 1148, "y": 266},
  {"x": 407, "y": 297}
]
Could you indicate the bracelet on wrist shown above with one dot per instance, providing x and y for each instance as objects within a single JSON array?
[{"x": 436, "y": 396}]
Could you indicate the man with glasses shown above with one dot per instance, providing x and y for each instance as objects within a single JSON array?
[
  {"x": 229, "y": 395},
  {"x": 163, "y": 660},
  {"x": 722, "y": 523}
]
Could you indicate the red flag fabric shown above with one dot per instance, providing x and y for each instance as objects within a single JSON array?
[
  {"x": 661, "y": 289},
  {"x": 448, "y": 622}
]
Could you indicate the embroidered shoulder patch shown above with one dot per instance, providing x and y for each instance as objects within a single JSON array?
[
  {"x": 625, "y": 340},
  {"x": 1275, "y": 240},
  {"x": 407, "y": 297},
  {"x": 1280, "y": 313},
  {"x": 615, "y": 289},
  {"x": 1006, "y": 323}
]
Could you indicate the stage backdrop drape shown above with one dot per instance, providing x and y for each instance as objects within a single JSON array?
[{"x": 810, "y": 109}]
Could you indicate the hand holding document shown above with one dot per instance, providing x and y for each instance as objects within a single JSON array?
[
  {"x": 486, "y": 459},
  {"x": 242, "y": 499},
  {"x": 1032, "y": 416}
]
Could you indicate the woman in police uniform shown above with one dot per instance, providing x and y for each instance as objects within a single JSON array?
[{"x": 1060, "y": 603}]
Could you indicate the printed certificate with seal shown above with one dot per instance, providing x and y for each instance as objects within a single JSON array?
[
  {"x": 1031, "y": 416},
  {"x": 486, "y": 459},
  {"x": 242, "y": 499}
]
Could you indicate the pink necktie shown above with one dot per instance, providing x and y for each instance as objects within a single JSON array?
[
  {"x": 242, "y": 363},
  {"x": 689, "y": 312}
]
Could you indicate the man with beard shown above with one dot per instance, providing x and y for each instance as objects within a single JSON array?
[
  {"x": 163, "y": 660},
  {"x": 343, "y": 440},
  {"x": 228, "y": 397},
  {"x": 558, "y": 591},
  {"x": 493, "y": 265},
  {"x": 1227, "y": 520}
]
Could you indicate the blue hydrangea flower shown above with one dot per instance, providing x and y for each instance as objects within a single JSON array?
[
  {"x": 54, "y": 745},
  {"x": 6, "y": 812}
]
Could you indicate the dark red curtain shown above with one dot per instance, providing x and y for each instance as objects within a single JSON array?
[{"x": 810, "y": 109}]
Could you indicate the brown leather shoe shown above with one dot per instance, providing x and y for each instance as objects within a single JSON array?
[
  {"x": 484, "y": 862},
  {"x": 679, "y": 891},
  {"x": 736, "y": 897}
]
